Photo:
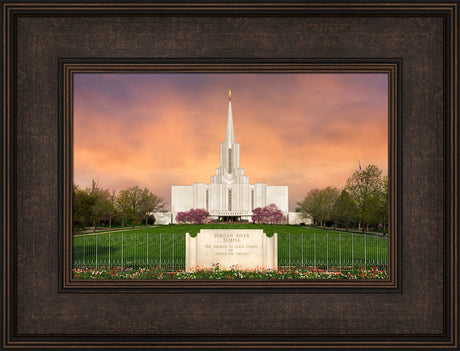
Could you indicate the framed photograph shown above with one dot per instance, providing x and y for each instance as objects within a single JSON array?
[
  {"x": 123, "y": 230},
  {"x": 91, "y": 89}
]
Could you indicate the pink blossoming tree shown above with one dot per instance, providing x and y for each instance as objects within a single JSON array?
[
  {"x": 268, "y": 215},
  {"x": 194, "y": 216}
]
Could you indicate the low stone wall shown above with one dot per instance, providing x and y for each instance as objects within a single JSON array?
[{"x": 231, "y": 248}]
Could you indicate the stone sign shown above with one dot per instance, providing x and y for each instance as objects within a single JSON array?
[{"x": 231, "y": 248}]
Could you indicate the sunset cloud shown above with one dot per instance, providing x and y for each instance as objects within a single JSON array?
[{"x": 157, "y": 130}]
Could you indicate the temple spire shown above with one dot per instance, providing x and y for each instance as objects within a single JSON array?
[{"x": 230, "y": 136}]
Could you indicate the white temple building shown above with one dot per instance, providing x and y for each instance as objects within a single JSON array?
[{"x": 229, "y": 196}]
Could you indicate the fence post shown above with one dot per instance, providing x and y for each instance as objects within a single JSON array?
[
  {"x": 314, "y": 248},
  {"x": 365, "y": 251},
  {"x": 302, "y": 250},
  {"x": 160, "y": 250},
  {"x": 352, "y": 257},
  {"x": 148, "y": 249},
  {"x": 340, "y": 252},
  {"x": 377, "y": 253},
  {"x": 122, "y": 236},
  {"x": 173, "y": 254},
  {"x": 84, "y": 249},
  {"x": 289, "y": 250},
  {"x": 327, "y": 252},
  {"x": 96, "y": 249},
  {"x": 109, "y": 250}
]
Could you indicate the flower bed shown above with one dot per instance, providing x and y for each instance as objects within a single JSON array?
[{"x": 216, "y": 273}]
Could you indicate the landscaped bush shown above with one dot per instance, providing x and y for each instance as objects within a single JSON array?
[{"x": 216, "y": 273}]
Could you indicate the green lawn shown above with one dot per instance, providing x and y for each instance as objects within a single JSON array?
[{"x": 165, "y": 246}]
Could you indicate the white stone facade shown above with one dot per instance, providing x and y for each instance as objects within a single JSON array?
[
  {"x": 229, "y": 195},
  {"x": 295, "y": 218},
  {"x": 162, "y": 217}
]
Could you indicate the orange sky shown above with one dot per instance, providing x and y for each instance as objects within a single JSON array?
[{"x": 156, "y": 130}]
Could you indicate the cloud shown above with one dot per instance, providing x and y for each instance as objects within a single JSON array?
[{"x": 158, "y": 130}]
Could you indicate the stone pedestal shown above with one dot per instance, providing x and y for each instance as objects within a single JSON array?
[{"x": 231, "y": 248}]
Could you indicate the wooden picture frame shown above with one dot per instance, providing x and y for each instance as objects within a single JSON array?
[
  {"x": 43, "y": 308},
  {"x": 68, "y": 68}
]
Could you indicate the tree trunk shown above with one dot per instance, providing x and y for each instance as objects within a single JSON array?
[
  {"x": 123, "y": 223},
  {"x": 110, "y": 223},
  {"x": 146, "y": 220}
]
